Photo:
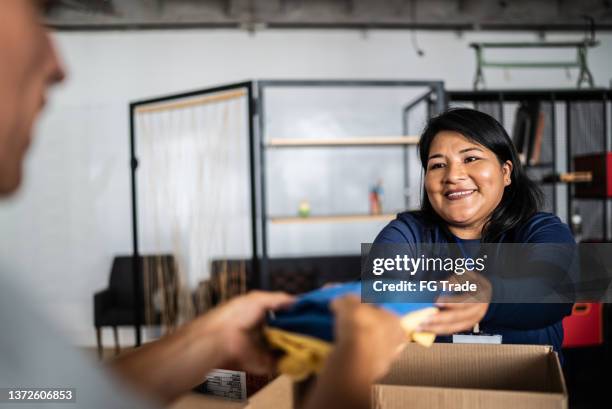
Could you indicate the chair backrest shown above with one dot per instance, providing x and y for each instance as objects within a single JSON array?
[{"x": 121, "y": 282}]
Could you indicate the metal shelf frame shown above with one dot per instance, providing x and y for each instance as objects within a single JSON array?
[
  {"x": 434, "y": 97},
  {"x": 178, "y": 101}
]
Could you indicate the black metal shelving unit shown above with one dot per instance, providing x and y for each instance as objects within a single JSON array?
[
  {"x": 583, "y": 116},
  {"x": 585, "y": 131},
  {"x": 434, "y": 98}
]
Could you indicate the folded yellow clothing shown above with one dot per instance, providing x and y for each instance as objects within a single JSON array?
[
  {"x": 411, "y": 321},
  {"x": 304, "y": 355}
]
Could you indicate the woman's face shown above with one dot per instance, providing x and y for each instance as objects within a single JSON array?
[{"x": 464, "y": 180}]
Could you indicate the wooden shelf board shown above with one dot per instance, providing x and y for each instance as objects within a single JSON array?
[
  {"x": 539, "y": 165},
  {"x": 191, "y": 102},
  {"x": 333, "y": 218},
  {"x": 363, "y": 141}
]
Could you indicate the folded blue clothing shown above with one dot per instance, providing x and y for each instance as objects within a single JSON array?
[{"x": 311, "y": 314}]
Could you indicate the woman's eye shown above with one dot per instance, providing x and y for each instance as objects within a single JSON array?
[
  {"x": 471, "y": 159},
  {"x": 436, "y": 166}
]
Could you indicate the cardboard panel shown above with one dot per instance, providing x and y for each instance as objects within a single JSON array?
[
  {"x": 401, "y": 397},
  {"x": 198, "y": 401},
  {"x": 496, "y": 367},
  {"x": 555, "y": 379},
  {"x": 278, "y": 394}
]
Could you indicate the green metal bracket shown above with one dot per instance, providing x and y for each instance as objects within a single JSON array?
[{"x": 580, "y": 62}]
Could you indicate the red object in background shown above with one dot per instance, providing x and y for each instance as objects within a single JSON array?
[
  {"x": 584, "y": 327},
  {"x": 600, "y": 165}
]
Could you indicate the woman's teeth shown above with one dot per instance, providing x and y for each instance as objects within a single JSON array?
[{"x": 457, "y": 195}]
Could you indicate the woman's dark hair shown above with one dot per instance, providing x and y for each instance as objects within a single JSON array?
[{"x": 521, "y": 199}]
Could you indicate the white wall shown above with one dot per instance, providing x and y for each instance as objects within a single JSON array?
[{"x": 60, "y": 232}]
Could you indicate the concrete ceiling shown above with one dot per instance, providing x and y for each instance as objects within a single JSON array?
[{"x": 541, "y": 15}]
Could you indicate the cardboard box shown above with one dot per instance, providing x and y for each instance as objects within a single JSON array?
[
  {"x": 473, "y": 376},
  {"x": 462, "y": 376}
]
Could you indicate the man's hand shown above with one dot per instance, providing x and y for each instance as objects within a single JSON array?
[
  {"x": 367, "y": 341},
  {"x": 226, "y": 337},
  {"x": 235, "y": 326},
  {"x": 368, "y": 336},
  {"x": 460, "y": 312}
]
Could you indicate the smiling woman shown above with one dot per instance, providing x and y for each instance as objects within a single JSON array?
[
  {"x": 476, "y": 191},
  {"x": 465, "y": 151}
]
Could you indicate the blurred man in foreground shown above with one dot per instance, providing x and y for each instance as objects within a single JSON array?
[{"x": 34, "y": 355}]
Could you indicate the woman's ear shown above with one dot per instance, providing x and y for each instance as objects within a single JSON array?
[{"x": 507, "y": 172}]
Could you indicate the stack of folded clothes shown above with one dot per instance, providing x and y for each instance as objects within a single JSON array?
[{"x": 305, "y": 332}]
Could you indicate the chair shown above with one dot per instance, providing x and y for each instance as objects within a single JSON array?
[{"x": 115, "y": 307}]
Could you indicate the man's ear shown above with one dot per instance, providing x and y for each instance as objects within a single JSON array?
[{"x": 507, "y": 172}]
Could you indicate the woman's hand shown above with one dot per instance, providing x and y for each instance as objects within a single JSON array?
[{"x": 460, "y": 312}]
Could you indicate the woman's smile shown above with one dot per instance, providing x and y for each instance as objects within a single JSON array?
[{"x": 459, "y": 194}]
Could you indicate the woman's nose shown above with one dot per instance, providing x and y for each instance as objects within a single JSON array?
[{"x": 455, "y": 172}]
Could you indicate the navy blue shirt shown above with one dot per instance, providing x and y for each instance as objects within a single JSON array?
[{"x": 517, "y": 323}]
